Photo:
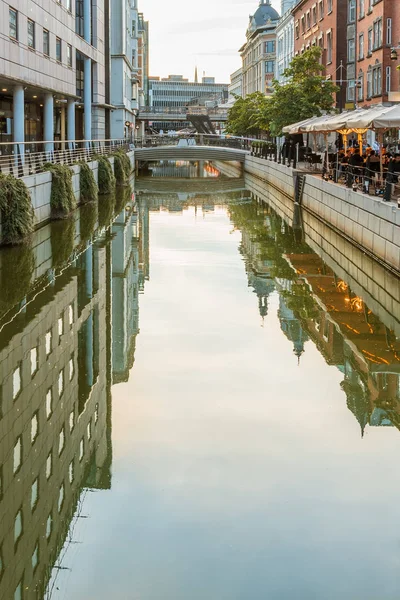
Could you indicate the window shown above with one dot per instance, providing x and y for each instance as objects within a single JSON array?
[
  {"x": 58, "y": 50},
  {"x": 71, "y": 314},
  {"x": 34, "y": 361},
  {"x": 71, "y": 368},
  {"x": 360, "y": 90},
  {"x": 69, "y": 5},
  {"x": 34, "y": 427},
  {"x": 49, "y": 465},
  {"x": 61, "y": 383},
  {"x": 361, "y": 46},
  {"x": 35, "y": 557},
  {"x": 81, "y": 449},
  {"x": 34, "y": 494},
  {"x": 369, "y": 82},
  {"x": 270, "y": 66},
  {"x": 329, "y": 47},
  {"x": 89, "y": 430},
  {"x": 388, "y": 79},
  {"x": 17, "y": 454},
  {"x": 18, "y": 594},
  {"x": 61, "y": 496},
  {"x": 329, "y": 6},
  {"x": 351, "y": 55},
  {"x": 60, "y": 323},
  {"x": 314, "y": 15},
  {"x": 61, "y": 441},
  {"x": 377, "y": 81},
  {"x": 369, "y": 42},
  {"x": 389, "y": 32},
  {"x": 270, "y": 47},
  {"x": 48, "y": 343},
  {"x": 377, "y": 34},
  {"x": 361, "y": 8},
  {"x": 13, "y": 23},
  {"x": 303, "y": 25},
  {"x": 17, "y": 384},
  {"x": 31, "y": 34},
  {"x": 69, "y": 55},
  {"x": 49, "y": 526},
  {"x": 18, "y": 526},
  {"x": 72, "y": 419},
  {"x": 79, "y": 29},
  {"x": 49, "y": 403},
  {"x": 321, "y": 9},
  {"x": 71, "y": 471},
  {"x": 308, "y": 20},
  {"x": 351, "y": 13}
]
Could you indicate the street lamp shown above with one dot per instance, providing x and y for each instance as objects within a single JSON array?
[{"x": 393, "y": 53}]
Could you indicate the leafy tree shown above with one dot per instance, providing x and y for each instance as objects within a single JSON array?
[
  {"x": 249, "y": 116},
  {"x": 306, "y": 92}
]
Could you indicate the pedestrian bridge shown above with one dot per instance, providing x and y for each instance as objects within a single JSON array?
[{"x": 189, "y": 152}]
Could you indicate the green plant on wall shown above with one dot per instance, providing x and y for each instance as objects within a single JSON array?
[
  {"x": 62, "y": 199},
  {"x": 17, "y": 215},
  {"x": 106, "y": 176},
  {"x": 122, "y": 167},
  {"x": 88, "y": 185}
]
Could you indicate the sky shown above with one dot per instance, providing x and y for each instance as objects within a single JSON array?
[{"x": 208, "y": 33}]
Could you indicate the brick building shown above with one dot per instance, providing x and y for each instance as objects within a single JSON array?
[
  {"x": 323, "y": 23},
  {"x": 373, "y": 28}
]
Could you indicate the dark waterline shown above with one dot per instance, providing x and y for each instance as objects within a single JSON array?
[{"x": 195, "y": 405}]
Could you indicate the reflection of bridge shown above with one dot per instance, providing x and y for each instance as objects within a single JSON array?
[
  {"x": 211, "y": 185},
  {"x": 189, "y": 152}
]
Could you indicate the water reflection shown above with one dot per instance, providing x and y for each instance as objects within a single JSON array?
[
  {"x": 315, "y": 304},
  {"x": 68, "y": 330}
]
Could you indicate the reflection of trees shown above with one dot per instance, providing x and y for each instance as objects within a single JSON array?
[
  {"x": 300, "y": 300},
  {"x": 17, "y": 264},
  {"x": 106, "y": 209}
]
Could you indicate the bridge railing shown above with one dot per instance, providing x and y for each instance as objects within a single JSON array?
[
  {"x": 29, "y": 158},
  {"x": 199, "y": 139}
]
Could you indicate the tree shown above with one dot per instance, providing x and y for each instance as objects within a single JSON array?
[
  {"x": 249, "y": 116},
  {"x": 305, "y": 94}
]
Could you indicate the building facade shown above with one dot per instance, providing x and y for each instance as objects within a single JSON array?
[
  {"x": 373, "y": 28},
  {"x": 236, "y": 85},
  {"x": 143, "y": 60},
  {"x": 177, "y": 92},
  {"x": 259, "y": 52},
  {"x": 124, "y": 79},
  {"x": 52, "y": 70},
  {"x": 323, "y": 23},
  {"x": 284, "y": 40}
]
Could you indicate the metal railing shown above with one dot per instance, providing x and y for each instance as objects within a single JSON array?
[
  {"x": 201, "y": 139},
  {"x": 29, "y": 158}
]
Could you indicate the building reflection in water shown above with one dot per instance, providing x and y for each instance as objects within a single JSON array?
[
  {"x": 62, "y": 346},
  {"x": 314, "y": 304},
  {"x": 68, "y": 327}
]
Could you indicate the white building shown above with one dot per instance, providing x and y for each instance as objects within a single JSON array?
[
  {"x": 284, "y": 39},
  {"x": 52, "y": 70},
  {"x": 259, "y": 52},
  {"x": 236, "y": 85},
  {"x": 124, "y": 67}
]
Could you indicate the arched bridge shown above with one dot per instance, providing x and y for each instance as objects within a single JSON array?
[{"x": 189, "y": 152}]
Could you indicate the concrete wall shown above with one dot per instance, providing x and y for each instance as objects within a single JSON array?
[
  {"x": 367, "y": 221},
  {"x": 40, "y": 188}
]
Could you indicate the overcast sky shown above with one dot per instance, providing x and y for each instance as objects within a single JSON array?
[{"x": 206, "y": 32}]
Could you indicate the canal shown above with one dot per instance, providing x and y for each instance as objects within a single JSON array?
[{"x": 197, "y": 401}]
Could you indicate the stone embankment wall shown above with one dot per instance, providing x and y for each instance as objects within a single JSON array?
[
  {"x": 40, "y": 189},
  {"x": 367, "y": 221}
]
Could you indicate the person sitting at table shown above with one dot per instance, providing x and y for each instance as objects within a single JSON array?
[
  {"x": 356, "y": 163},
  {"x": 373, "y": 166},
  {"x": 344, "y": 162}
]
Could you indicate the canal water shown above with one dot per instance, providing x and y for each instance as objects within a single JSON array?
[{"x": 195, "y": 405}]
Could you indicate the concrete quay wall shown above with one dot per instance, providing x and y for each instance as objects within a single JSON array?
[
  {"x": 369, "y": 222},
  {"x": 39, "y": 186}
]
